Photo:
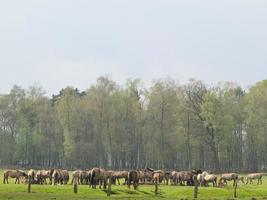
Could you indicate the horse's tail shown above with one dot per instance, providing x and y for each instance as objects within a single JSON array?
[
  {"x": 129, "y": 177},
  {"x": 4, "y": 179},
  {"x": 93, "y": 176},
  {"x": 72, "y": 179}
]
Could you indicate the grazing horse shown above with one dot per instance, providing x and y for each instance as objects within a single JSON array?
[
  {"x": 145, "y": 176},
  {"x": 31, "y": 175},
  {"x": 84, "y": 177},
  {"x": 57, "y": 177},
  {"x": 13, "y": 174},
  {"x": 76, "y": 174},
  {"x": 187, "y": 176},
  {"x": 104, "y": 176},
  {"x": 95, "y": 176},
  {"x": 158, "y": 174},
  {"x": 42, "y": 175},
  {"x": 89, "y": 176},
  {"x": 200, "y": 179},
  {"x": 207, "y": 178},
  {"x": 117, "y": 175},
  {"x": 100, "y": 176},
  {"x": 60, "y": 177},
  {"x": 241, "y": 178},
  {"x": 66, "y": 176},
  {"x": 228, "y": 177},
  {"x": 174, "y": 178},
  {"x": 254, "y": 176},
  {"x": 133, "y": 178}
]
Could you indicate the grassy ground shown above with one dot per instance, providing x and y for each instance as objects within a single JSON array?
[{"x": 48, "y": 192}]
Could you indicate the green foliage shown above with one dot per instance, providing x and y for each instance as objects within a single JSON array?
[{"x": 168, "y": 125}]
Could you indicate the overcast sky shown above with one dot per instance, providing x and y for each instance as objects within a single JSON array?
[{"x": 65, "y": 42}]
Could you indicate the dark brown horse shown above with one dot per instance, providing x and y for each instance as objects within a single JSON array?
[
  {"x": 31, "y": 175},
  {"x": 17, "y": 174},
  {"x": 160, "y": 175},
  {"x": 228, "y": 177},
  {"x": 117, "y": 175},
  {"x": 187, "y": 177},
  {"x": 81, "y": 175},
  {"x": 42, "y": 176},
  {"x": 133, "y": 178},
  {"x": 60, "y": 177}
]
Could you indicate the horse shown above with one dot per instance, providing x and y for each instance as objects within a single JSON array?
[
  {"x": 158, "y": 174},
  {"x": 174, "y": 178},
  {"x": 187, "y": 177},
  {"x": 228, "y": 177},
  {"x": 254, "y": 176},
  {"x": 31, "y": 175},
  {"x": 207, "y": 178},
  {"x": 200, "y": 179},
  {"x": 241, "y": 178},
  {"x": 117, "y": 175},
  {"x": 42, "y": 175},
  {"x": 60, "y": 177},
  {"x": 104, "y": 176},
  {"x": 133, "y": 178},
  {"x": 13, "y": 174},
  {"x": 100, "y": 176},
  {"x": 57, "y": 177},
  {"x": 95, "y": 175},
  {"x": 76, "y": 174}
]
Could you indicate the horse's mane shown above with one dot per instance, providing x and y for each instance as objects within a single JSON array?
[{"x": 149, "y": 169}]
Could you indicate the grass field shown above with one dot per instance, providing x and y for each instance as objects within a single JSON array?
[{"x": 47, "y": 192}]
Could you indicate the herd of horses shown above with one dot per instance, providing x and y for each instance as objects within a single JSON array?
[{"x": 102, "y": 177}]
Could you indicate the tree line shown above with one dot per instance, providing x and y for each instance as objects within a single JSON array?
[{"x": 219, "y": 127}]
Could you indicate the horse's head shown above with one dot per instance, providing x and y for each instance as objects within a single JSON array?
[
  {"x": 21, "y": 172},
  {"x": 147, "y": 169}
]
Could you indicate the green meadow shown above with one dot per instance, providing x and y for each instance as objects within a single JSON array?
[{"x": 13, "y": 191}]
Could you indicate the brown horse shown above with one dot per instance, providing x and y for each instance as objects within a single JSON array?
[
  {"x": 57, "y": 177},
  {"x": 174, "y": 178},
  {"x": 145, "y": 176},
  {"x": 207, "y": 178},
  {"x": 159, "y": 174},
  {"x": 117, "y": 175},
  {"x": 95, "y": 177},
  {"x": 228, "y": 177},
  {"x": 81, "y": 175},
  {"x": 133, "y": 178},
  {"x": 104, "y": 176},
  {"x": 60, "y": 177},
  {"x": 84, "y": 177},
  {"x": 241, "y": 178},
  {"x": 17, "y": 174},
  {"x": 254, "y": 176},
  {"x": 42, "y": 175},
  {"x": 100, "y": 176},
  {"x": 31, "y": 175},
  {"x": 187, "y": 177}
]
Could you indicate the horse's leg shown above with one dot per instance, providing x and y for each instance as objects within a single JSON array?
[
  {"x": 100, "y": 184},
  {"x": 105, "y": 184}
]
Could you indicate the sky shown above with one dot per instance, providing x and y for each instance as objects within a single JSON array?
[{"x": 59, "y": 43}]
